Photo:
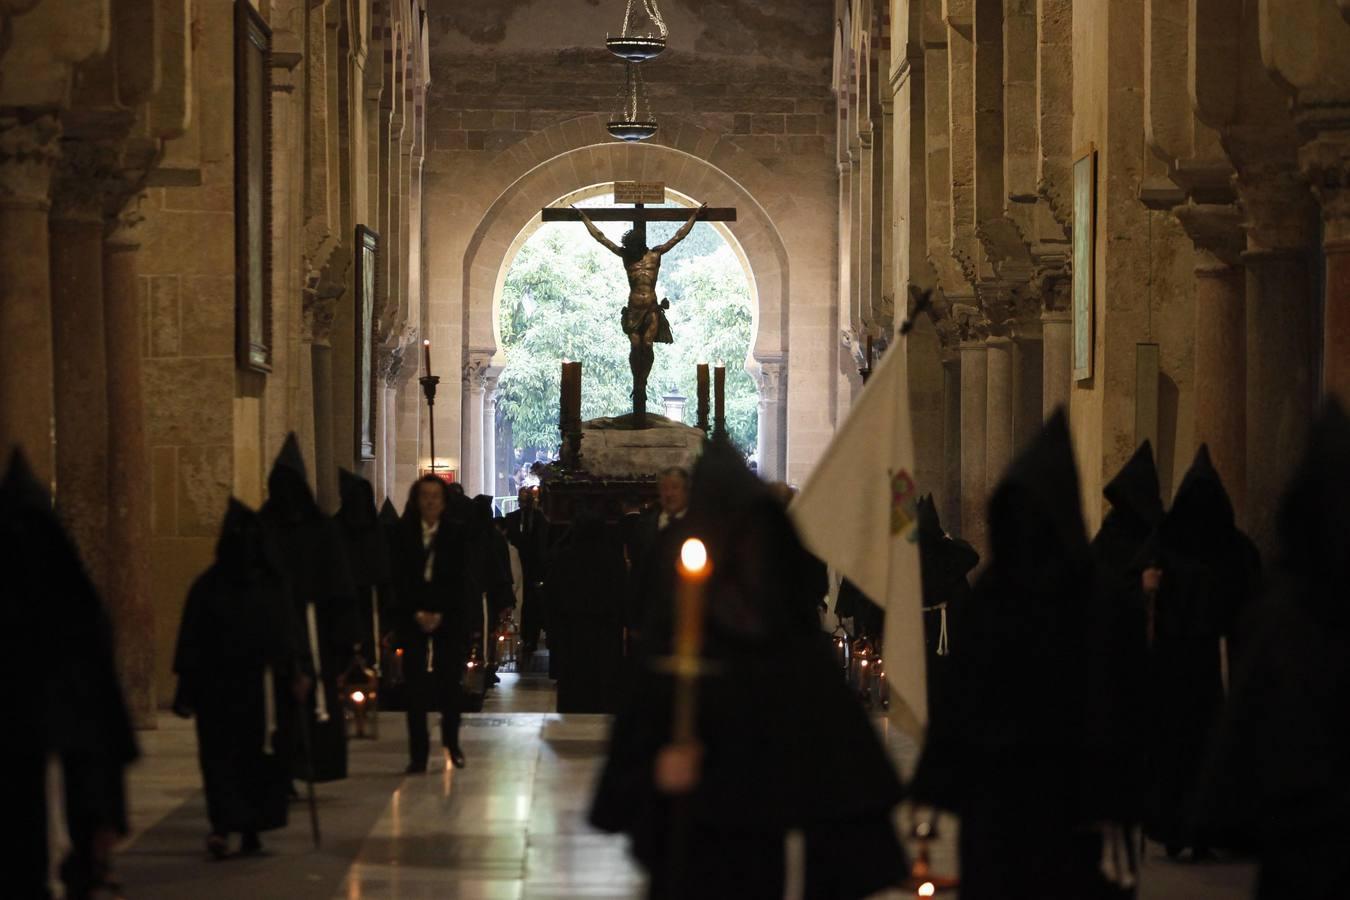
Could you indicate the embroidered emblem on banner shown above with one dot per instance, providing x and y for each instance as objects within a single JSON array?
[{"x": 904, "y": 505}]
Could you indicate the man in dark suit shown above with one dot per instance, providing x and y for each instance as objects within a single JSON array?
[
  {"x": 658, "y": 540},
  {"x": 527, "y": 531}
]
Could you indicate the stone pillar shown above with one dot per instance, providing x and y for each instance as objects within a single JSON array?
[
  {"x": 79, "y": 349},
  {"x": 128, "y": 474},
  {"x": 1029, "y": 402},
  {"x": 490, "y": 435},
  {"x": 1221, "y": 370},
  {"x": 1056, "y": 360},
  {"x": 974, "y": 420},
  {"x": 319, "y": 312},
  {"x": 998, "y": 409},
  {"x": 1326, "y": 161},
  {"x": 951, "y": 444},
  {"x": 1281, "y": 380},
  {"x": 772, "y": 403},
  {"x": 28, "y": 149},
  {"x": 471, "y": 466}
]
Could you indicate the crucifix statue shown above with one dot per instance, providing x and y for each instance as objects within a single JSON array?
[{"x": 644, "y": 317}]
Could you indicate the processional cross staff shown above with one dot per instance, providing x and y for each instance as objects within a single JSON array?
[{"x": 644, "y": 319}]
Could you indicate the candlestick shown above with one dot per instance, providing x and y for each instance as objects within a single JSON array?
[
  {"x": 693, "y": 569},
  {"x": 562, "y": 396},
  {"x": 702, "y": 408},
  {"x": 426, "y": 355},
  {"x": 720, "y": 401}
]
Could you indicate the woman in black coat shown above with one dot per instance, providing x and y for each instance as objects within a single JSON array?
[{"x": 434, "y": 619}]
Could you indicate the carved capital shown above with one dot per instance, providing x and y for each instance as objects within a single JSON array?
[
  {"x": 1215, "y": 229},
  {"x": 770, "y": 378},
  {"x": 1325, "y": 161},
  {"x": 1052, "y": 280},
  {"x": 29, "y": 148},
  {"x": 317, "y": 314},
  {"x": 477, "y": 370},
  {"x": 971, "y": 324},
  {"x": 126, "y": 230},
  {"x": 88, "y": 177},
  {"x": 1281, "y": 212}
]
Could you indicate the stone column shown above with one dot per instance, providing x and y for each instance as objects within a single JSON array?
[
  {"x": 1281, "y": 380},
  {"x": 490, "y": 435},
  {"x": 128, "y": 589},
  {"x": 318, "y": 313},
  {"x": 79, "y": 348},
  {"x": 1056, "y": 359},
  {"x": 1028, "y": 398},
  {"x": 28, "y": 148},
  {"x": 471, "y": 466},
  {"x": 770, "y": 434},
  {"x": 998, "y": 409},
  {"x": 974, "y": 420},
  {"x": 951, "y": 444},
  {"x": 1326, "y": 161},
  {"x": 1221, "y": 370}
]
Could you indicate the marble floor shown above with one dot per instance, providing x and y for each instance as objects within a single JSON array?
[{"x": 509, "y": 825}]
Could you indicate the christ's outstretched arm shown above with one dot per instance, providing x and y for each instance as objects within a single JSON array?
[
  {"x": 682, "y": 233},
  {"x": 598, "y": 234}
]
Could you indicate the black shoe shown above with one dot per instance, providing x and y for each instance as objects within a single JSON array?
[
  {"x": 415, "y": 769},
  {"x": 456, "y": 756},
  {"x": 249, "y": 843},
  {"x": 217, "y": 846}
]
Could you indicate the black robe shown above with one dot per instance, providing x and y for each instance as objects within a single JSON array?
[
  {"x": 1005, "y": 753},
  {"x": 587, "y": 579},
  {"x": 312, "y": 552},
  {"x": 1278, "y": 776},
  {"x": 786, "y": 744},
  {"x": 68, "y": 703},
  {"x": 944, "y": 565},
  {"x": 236, "y": 642},
  {"x": 1211, "y": 572},
  {"x": 368, "y": 556},
  {"x": 1118, "y": 717}
]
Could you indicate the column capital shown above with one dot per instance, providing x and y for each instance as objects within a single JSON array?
[
  {"x": 769, "y": 378},
  {"x": 126, "y": 231},
  {"x": 88, "y": 177},
  {"x": 1281, "y": 211},
  {"x": 1325, "y": 161},
  {"x": 1215, "y": 229},
  {"x": 29, "y": 149},
  {"x": 971, "y": 324},
  {"x": 317, "y": 314},
  {"x": 477, "y": 370}
]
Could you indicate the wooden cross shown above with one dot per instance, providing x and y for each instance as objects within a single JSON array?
[{"x": 639, "y": 214}]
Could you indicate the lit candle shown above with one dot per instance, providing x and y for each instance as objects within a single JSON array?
[
  {"x": 426, "y": 354},
  {"x": 693, "y": 569}
]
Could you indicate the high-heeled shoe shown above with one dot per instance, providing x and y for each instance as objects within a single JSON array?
[{"x": 456, "y": 757}]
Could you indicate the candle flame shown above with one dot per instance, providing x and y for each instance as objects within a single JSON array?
[
  {"x": 358, "y": 697},
  {"x": 426, "y": 343},
  {"x": 927, "y": 889},
  {"x": 694, "y": 556}
]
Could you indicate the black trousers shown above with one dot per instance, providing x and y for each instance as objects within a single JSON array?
[
  {"x": 435, "y": 691},
  {"x": 532, "y": 615}
]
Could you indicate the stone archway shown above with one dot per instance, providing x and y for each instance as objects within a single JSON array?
[{"x": 598, "y": 160}]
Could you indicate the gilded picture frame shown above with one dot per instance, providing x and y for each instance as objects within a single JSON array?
[
  {"x": 253, "y": 188},
  {"x": 1084, "y": 252},
  {"x": 367, "y": 248}
]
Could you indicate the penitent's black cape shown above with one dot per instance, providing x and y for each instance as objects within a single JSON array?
[
  {"x": 239, "y": 622},
  {"x": 1279, "y": 771},
  {"x": 787, "y": 745},
  {"x": 368, "y": 555},
  {"x": 1004, "y": 754},
  {"x": 312, "y": 552},
  {"x": 1211, "y": 572},
  {"x": 67, "y": 702},
  {"x": 1117, "y": 635},
  {"x": 587, "y": 579}
]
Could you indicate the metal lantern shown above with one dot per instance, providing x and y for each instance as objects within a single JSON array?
[
  {"x": 644, "y": 33},
  {"x": 634, "y": 120}
]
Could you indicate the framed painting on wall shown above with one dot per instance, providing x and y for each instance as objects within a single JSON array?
[
  {"x": 1084, "y": 249},
  {"x": 367, "y": 245},
  {"x": 253, "y": 188}
]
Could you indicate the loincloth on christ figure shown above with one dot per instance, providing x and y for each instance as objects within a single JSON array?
[{"x": 637, "y": 320}]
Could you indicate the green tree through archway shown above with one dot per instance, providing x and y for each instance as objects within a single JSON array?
[{"x": 561, "y": 300}]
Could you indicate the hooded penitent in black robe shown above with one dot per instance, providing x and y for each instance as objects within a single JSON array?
[
  {"x": 368, "y": 556},
  {"x": 944, "y": 564},
  {"x": 1118, "y": 716},
  {"x": 67, "y": 704},
  {"x": 587, "y": 579},
  {"x": 236, "y": 658},
  {"x": 1279, "y": 772},
  {"x": 1004, "y": 756},
  {"x": 433, "y": 664},
  {"x": 312, "y": 552},
  {"x": 1210, "y": 573},
  {"x": 786, "y": 744}
]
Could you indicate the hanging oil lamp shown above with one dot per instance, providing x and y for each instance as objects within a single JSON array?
[
  {"x": 634, "y": 120},
  {"x": 644, "y": 33}
]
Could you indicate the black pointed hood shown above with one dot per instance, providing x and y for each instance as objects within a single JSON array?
[
  {"x": 1035, "y": 513},
  {"x": 388, "y": 514},
  {"x": 1135, "y": 492},
  {"x": 1201, "y": 520},
  {"x": 929, "y": 523},
  {"x": 358, "y": 502},
  {"x": 1313, "y": 520},
  {"x": 288, "y": 494},
  {"x": 943, "y": 560},
  {"x": 243, "y": 552}
]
